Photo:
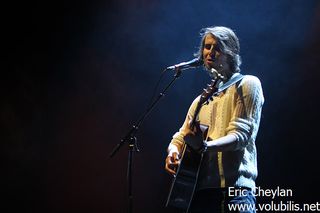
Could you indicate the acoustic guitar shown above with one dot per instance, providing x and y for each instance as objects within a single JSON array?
[{"x": 184, "y": 182}]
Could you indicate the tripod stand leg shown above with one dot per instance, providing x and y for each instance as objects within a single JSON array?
[{"x": 132, "y": 149}]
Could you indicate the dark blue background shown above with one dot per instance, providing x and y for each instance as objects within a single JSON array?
[{"x": 76, "y": 75}]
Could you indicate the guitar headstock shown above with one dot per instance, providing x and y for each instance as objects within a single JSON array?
[{"x": 212, "y": 87}]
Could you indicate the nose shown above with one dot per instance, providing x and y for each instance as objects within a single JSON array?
[{"x": 212, "y": 52}]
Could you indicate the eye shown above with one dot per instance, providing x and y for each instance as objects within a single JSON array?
[
  {"x": 207, "y": 46},
  {"x": 214, "y": 47}
]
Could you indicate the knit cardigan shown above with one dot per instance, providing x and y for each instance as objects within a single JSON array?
[{"x": 237, "y": 111}]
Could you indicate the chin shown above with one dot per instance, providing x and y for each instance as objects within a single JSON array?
[{"x": 208, "y": 67}]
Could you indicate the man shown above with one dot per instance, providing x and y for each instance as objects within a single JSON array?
[{"x": 230, "y": 159}]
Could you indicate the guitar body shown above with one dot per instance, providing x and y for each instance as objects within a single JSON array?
[{"x": 185, "y": 180}]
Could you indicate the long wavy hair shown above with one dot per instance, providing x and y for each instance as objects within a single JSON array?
[{"x": 228, "y": 43}]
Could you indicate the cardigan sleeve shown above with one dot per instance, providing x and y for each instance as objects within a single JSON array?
[
  {"x": 177, "y": 140},
  {"x": 246, "y": 117}
]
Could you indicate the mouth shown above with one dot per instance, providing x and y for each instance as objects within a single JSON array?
[{"x": 209, "y": 61}]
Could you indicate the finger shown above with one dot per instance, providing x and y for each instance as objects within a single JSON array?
[
  {"x": 174, "y": 164},
  {"x": 170, "y": 161},
  {"x": 175, "y": 157},
  {"x": 169, "y": 170},
  {"x": 171, "y": 166}
]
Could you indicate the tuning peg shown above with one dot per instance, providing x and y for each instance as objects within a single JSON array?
[
  {"x": 221, "y": 77},
  {"x": 210, "y": 87}
]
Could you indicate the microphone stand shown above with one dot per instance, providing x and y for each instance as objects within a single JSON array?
[{"x": 131, "y": 139}]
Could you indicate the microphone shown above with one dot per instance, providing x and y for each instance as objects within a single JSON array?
[{"x": 186, "y": 65}]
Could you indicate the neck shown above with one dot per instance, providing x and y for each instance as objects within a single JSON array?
[{"x": 226, "y": 73}]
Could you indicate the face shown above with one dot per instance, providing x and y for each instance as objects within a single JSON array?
[{"x": 213, "y": 57}]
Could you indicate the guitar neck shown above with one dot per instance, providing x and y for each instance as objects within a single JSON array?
[{"x": 195, "y": 115}]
